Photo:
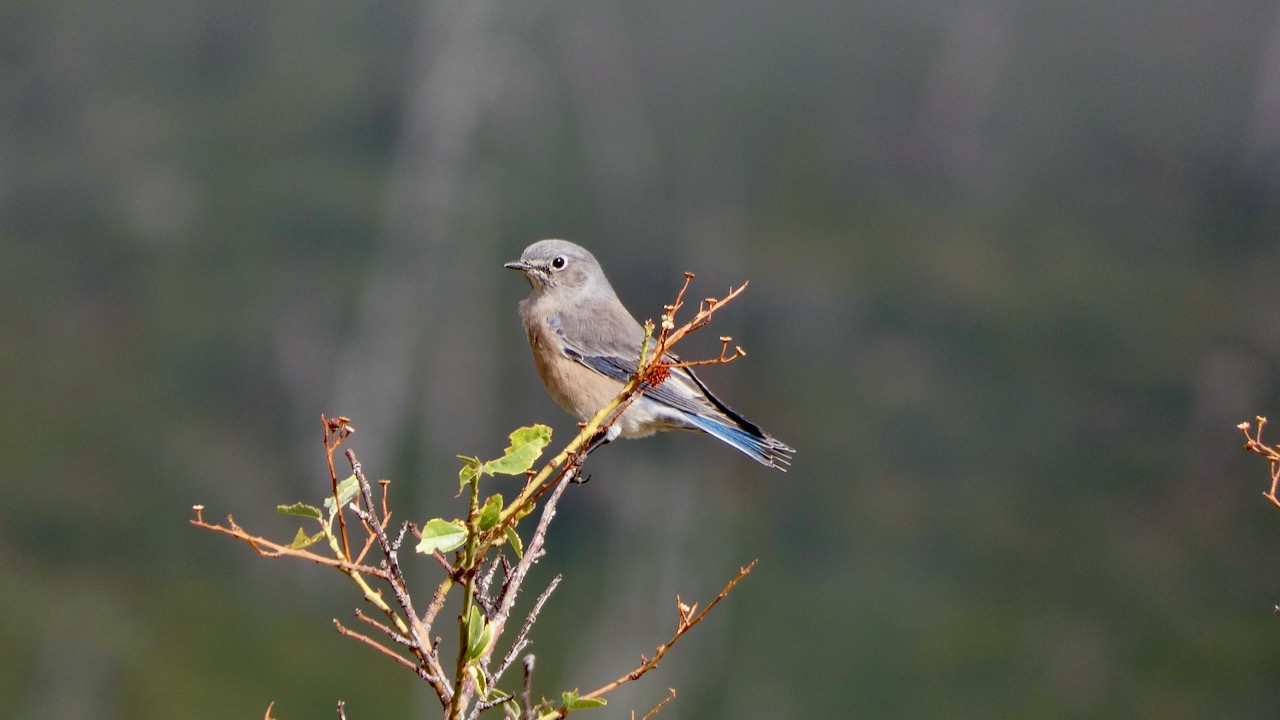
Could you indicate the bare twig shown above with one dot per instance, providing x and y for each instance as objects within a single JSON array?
[
  {"x": 1254, "y": 444},
  {"x": 347, "y": 632},
  {"x": 387, "y": 630},
  {"x": 526, "y": 689},
  {"x": 395, "y": 578},
  {"x": 489, "y": 704},
  {"x": 669, "y": 334},
  {"x": 437, "y": 602},
  {"x": 531, "y": 554},
  {"x": 687, "y": 620},
  {"x": 267, "y": 548},
  {"x": 384, "y": 521},
  {"x": 337, "y": 430},
  {"x": 522, "y": 638},
  {"x": 483, "y": 583},
  {"x": 671, "y": 695}
]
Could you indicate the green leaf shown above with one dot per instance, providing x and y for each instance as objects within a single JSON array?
[
  {"x": 526, "y": 447},
  {"x": 300, "y": 508},
  {"x": 478, "y": 634},
  {"x": 470, "y": 470},
  {"x": 442, "y": 535},
  {"x": 302, "y": 540},
  {"x": 491, "y": 511},
  {"x": 496, "y": 692},
  {"x": 347, "y": 489},
  {"x": 481, "y": 685},
  {"x": 571, "y": 701},
  {"x": 514, "y": 538}
]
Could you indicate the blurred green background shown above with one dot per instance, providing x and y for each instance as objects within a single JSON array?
[{"x": 1013, "y": 283}]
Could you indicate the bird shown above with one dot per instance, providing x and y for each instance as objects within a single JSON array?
[{"x": 586, "y": 345}]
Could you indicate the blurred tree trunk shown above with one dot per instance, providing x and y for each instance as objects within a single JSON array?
[
  {"x": 422, "y": 339},
  {"x": 1261, "y": 156},
  {"x": 947, "y": 138},
  {"x": 666, "y": 529}
]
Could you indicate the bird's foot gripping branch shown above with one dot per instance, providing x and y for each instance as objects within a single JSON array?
[{"x": 482, "y": 557}]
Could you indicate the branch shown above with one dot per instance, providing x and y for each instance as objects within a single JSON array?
[
  {"x": 671, "y": 695},
  {"x": 404, "y": 628},
  {"x": 267, "y": 548},
  {"x": 387, "y": 630},
  {"x": 336, "y": 431},
  {"x": 525, "y": 690},
  {"x": 347, "y": 632},
  {"x": 511, "y": 587},
  {"x": 687, "y": 620},
  {"x": 522, "y": 641},
  {"x": 670, "y": 334},
  {"x": 1253, "y": 443},
  {"x": 395, "y": 577}
]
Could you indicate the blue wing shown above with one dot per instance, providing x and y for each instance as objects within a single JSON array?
[{"x": 684, "y": 392}]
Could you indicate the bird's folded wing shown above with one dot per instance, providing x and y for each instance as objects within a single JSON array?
[
  {"x": 676, "y": 391},
  {"x": 681, "y": 390}
]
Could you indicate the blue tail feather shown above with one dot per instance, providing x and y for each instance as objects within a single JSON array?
[{"x": 759, "y": 446}]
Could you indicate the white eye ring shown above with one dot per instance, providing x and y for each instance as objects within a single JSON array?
[{"x": 558, "y": 263}]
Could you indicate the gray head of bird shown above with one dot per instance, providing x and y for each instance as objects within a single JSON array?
[{"x": 558, "y": 264}]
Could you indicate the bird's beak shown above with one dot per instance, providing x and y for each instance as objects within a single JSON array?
[{"x": 520, "y": 265}]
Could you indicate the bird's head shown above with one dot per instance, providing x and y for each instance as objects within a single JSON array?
[{"x": 558, "y": 264}]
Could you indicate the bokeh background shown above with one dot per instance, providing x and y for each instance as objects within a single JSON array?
[{"x": 1013, "y": 283}]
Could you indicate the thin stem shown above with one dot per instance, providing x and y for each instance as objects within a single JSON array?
[
  {"x": 461, "y": 688},
  {"x": 337, "y": 430},
  {"x": 687, "y": 620},
  {"x": 522, "y": 638}
]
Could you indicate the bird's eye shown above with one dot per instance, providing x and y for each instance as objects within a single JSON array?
[{"x": 558, "y": 263}]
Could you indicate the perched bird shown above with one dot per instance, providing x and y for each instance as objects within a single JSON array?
[{"x": 586, "y": 345}]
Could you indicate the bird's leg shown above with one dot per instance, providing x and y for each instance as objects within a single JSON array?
[
  {"x": 575, "y": 468},
  {"x": 575, "y": 474},
  {"x": 603, "y": 437}
]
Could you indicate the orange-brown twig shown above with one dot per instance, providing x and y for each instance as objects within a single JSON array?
[
  {"x": 336, "y": 431},
  {"x": 1253, "y": 443},
  {"x": 669, "y": 334},
  {"x": 268, "y": 548},
  {"x": 365, "y": 639},
  {"x": 688, "y": 619},
  {"x": 724, "y": 357},
  {"x": 671, "y": 695}
]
